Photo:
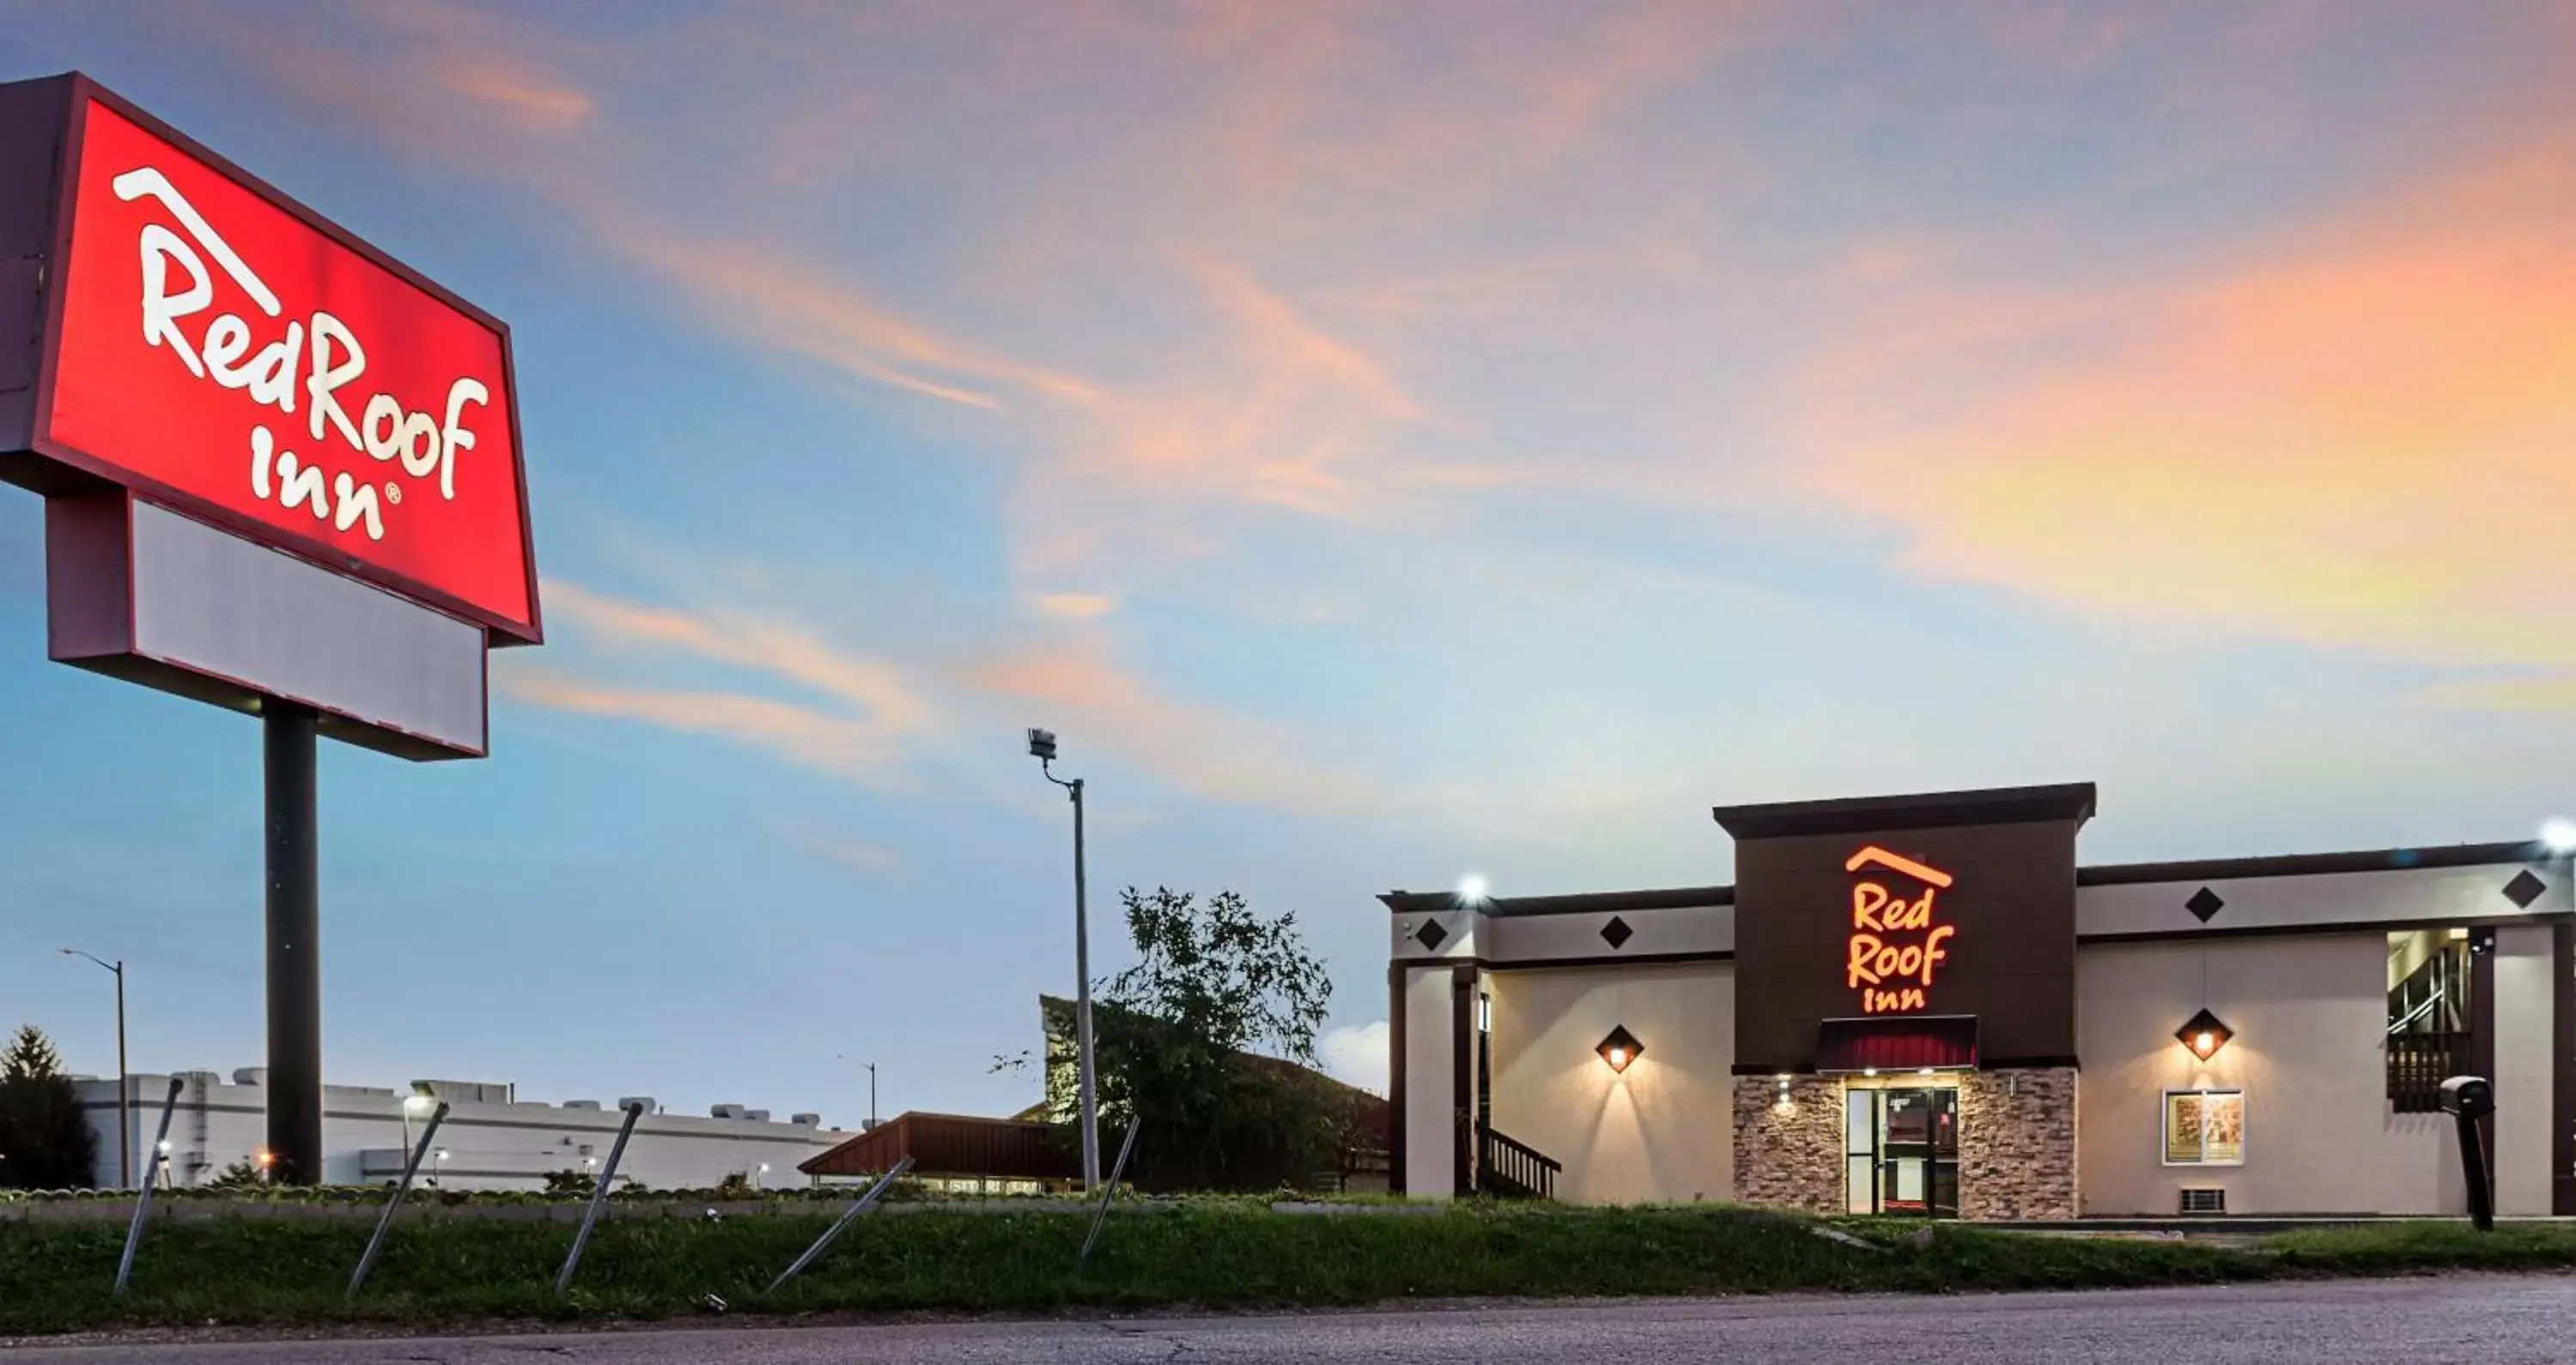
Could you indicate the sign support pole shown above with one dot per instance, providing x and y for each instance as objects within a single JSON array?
[{"x": 294, "y": 957}]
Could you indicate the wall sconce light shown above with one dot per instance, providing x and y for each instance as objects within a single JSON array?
[
  {"x": 2204, "y": 1035},
  {"x": 1781, "y": 1100},
  {"x": 1620, "y": 1048}
]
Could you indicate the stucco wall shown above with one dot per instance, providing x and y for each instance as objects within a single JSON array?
[
  {"x": 2522, "y": 1067},
  {"x": 1660, "y": 1131},
  {"x": 2309, "y": 1014},
  {"x": 1430, "y": 1115}
]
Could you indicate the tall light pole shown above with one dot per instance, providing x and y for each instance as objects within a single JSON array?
[
  {"x": 872, "y": 1087},
  {"x": 124, "y": 1088},
  {"x": 1042, "y": 748}
]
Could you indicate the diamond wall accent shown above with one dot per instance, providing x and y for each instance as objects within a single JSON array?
[
  {"x": 1617, "y": 933},
  {"x": 2524, "y": 889},
  {"x": 2203, "y": 904},
  {"x": 1431, "y": 935}
]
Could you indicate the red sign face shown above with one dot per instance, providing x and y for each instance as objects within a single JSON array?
[{"x": 218, "y": 350}]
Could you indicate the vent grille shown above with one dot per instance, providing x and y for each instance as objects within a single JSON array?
[{"x": 2204, "y": 1201}]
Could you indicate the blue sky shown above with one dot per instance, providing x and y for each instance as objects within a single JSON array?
[{"x": 1384, "y": 441}]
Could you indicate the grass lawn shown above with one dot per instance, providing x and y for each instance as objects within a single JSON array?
[{"x": 55, "y": 1276}]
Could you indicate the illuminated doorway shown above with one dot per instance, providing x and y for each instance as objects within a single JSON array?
[{"x": 1901, "y": 1151}]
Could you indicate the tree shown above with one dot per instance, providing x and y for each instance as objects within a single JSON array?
[
  {"x": 245, "y": 1174},
  {"x": 1206, "y": 1040},
  {"x": 45, "y": 1139}
]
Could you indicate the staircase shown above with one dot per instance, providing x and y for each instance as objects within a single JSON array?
[
  {"x": 2428, "y": 1030},
  {"x": 1508, "y": 1169},
  {"x": 2434, "y": 997}
]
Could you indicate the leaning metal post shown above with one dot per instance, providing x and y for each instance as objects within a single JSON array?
[
  {"x": 864, "y": 1203},
  {"x": 1109, "y": 1191},
  {"x": 151, "y": 1175},
  {"x": 598, "y": 1196},
  {"x": 385, "y": 1219}
]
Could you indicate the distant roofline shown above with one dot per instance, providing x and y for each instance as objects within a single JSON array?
[
  {"x": 2314, "y": 864},
  {"x": 1572, "y": 903},
  {"x": 2103, "y": 874}
]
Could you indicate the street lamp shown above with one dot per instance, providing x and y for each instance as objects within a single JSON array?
[
  {"x": 439, "y": 1170},
  {"x": 1042, "y": 748},
  {"x": 124, "y": 1088},
  {"x": 872, "y": 1088}
]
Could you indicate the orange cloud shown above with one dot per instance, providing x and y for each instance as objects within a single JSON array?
[
  {"x": 1076, "y": 606},
  {"x": 853, "y": 854},
  {"x": 1207, "y": 751},
  {"x": 774, "y": 300},
  {"x": 2359, "y": 438},
  {"x": 799, "y": 734},
  {"x": 539, "y": 104},
  {"x": 784, "y": 652},
  {"x": 863, "y": 734},
  {"x": 879, "y": 717}
]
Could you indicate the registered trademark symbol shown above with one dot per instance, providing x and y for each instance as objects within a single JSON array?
[{"x": 393, "y": 491}]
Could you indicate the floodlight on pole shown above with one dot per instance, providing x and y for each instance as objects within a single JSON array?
[{"x": 1042, "y": 748}]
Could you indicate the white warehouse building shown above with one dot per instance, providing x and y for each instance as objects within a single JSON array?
[{"x": 490, "y": 1139}]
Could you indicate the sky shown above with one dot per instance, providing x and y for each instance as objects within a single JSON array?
[{"x": 1385, "y": 442}]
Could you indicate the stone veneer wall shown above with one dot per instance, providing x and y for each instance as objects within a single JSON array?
[
  {"x": 2017, "y": 1143},
  {"x": 1789, "y": 1156}
]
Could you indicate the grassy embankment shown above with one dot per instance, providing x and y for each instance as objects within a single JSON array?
[{"x": 55, "y": 1276}]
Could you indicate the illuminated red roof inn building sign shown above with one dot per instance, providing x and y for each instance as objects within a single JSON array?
[
  {"x": 1897, "y": 944},
  {"x": 282, "y": 474}
]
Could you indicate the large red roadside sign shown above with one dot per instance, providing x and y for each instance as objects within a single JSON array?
[{"x": 216, "y": 347}]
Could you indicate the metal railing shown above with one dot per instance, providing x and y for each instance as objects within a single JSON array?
[
  {"x": 1513, "y": 1169},
  {"x": 2418, "y": 1063}
]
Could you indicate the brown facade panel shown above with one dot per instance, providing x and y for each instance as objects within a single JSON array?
[
  {"x": 2562, "y": 1070},
  {"x": 2008, "y": 958},
  {"x": 1395, "y": 1172}
]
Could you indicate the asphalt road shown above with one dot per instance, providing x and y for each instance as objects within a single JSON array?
[{"x": 2491, "y": 1320}]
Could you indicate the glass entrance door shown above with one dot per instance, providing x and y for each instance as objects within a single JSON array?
[{"x": 1901, "y": 1151}]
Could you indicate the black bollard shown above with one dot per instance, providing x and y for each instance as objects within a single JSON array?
[{"x": 2468, "y": 1100}]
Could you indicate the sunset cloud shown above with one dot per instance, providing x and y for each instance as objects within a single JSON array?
[
  {"x": 2357, "y": 435},
  {"x": 1076, "y": 606},
  {"x": 814, "y": 705},
  {"x": 775, "y": 301},
  {"x": 802, "y": 735},
  {"x": 787, "y": 653},
  {"x": 806, "y": 699},
  {"x": 1206, "y": 750},
  {"x": 541, "y": 105}
]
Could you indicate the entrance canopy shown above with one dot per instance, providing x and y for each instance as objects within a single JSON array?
[{"x": 1946, "y": 1042}]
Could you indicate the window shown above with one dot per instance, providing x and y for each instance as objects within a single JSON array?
[{"x": 2204, "y": 1127}]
